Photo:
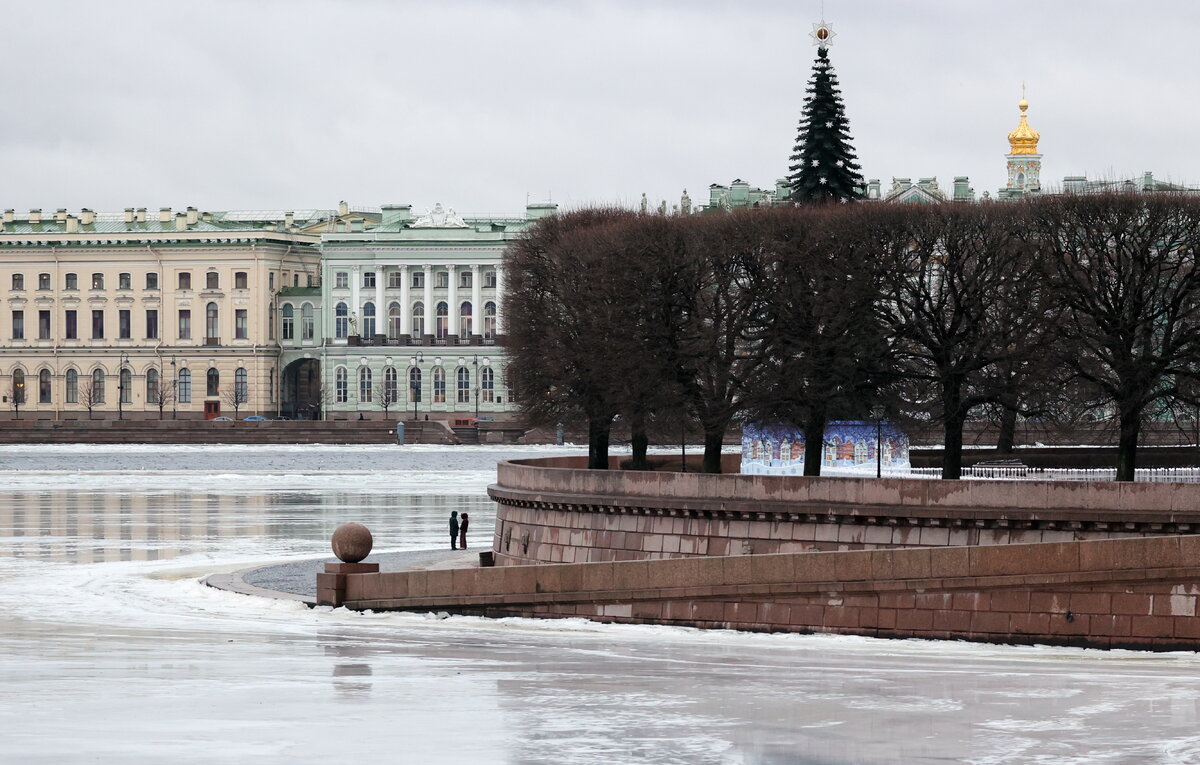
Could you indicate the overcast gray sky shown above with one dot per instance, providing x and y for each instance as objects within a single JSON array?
[{"x": 300, "y": 103}]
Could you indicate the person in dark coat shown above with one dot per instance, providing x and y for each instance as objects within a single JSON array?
[
  {"x": 453, "y": 529},
  {"x": 462, "y": 532}
]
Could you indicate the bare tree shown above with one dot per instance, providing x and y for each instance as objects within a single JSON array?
[
  {"x": 16, "y": 395},
  {"x": 387, "y": 394},
  {"x": 161, "y": 395},
  {"x": 236, "y": 396},
  {"x": 90, "y": 395},
  {"x": 1125, "y": 268}
]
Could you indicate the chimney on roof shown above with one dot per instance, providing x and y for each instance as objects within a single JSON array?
[
  {"x": 164, "y": 215},
  {"x": 9, "y": 215},
  {"x": 140, "y": 215},
  {"x": 343, "y": 208},
  {"x": 72, "y": 224},
  {"x": 289, "y": 219},
  {"x": 35, "y": 215},
  {"x": 192, "y": 216},
  {"x": 61, "y": 215},
  {"x": 206, "y": 217},
  {"x": 181, "y": 221},
  {"x": 129, "y": 215},
  {"x": 87, "y": 217}
]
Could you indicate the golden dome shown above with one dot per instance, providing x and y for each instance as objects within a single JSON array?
[{"x": 1024, "y": 139}]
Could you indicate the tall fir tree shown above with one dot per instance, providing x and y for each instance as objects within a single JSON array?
[{"x": 824, "y": 167}]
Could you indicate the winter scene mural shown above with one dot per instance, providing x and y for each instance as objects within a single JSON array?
[{"x": 849, "y": 448}]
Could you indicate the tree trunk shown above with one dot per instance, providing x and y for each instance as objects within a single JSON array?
[
  {"x": 1007, "y": 437},
  {"x": 953, "y": 431},
  {"x": 598, "y": 430},
  {"x": 814, "y": 445},
  {"x": 714, "y": 439},
  {"x": 639, "y": 441},
  {"x": 1131, "y": 424}
]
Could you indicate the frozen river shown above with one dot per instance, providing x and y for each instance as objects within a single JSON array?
[{"x": 112, "y": 651}]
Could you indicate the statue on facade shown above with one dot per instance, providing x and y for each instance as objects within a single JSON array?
[
  {"x": 354, "y": 324},
  {"x": 439, "y": 217},
  {"x": 645, "y": 204},
  {"x": 685, "y": 203},
  {"x": 662, "y": 207}
]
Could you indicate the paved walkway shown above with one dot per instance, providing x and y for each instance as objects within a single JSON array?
[{"x": 297, "y": 580}]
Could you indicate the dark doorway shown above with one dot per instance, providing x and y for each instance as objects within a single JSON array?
[{"x": 300, "y": 398}]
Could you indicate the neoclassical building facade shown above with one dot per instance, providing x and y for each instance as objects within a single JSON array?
[
  {"x": 138, "y": 315},
  {"x": 406, "y": 319}
]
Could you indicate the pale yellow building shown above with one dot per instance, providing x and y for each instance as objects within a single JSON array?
[{"x": 142, "y": 315}]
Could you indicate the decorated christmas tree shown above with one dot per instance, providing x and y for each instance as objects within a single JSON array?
[{"x": 824, "y": 167}]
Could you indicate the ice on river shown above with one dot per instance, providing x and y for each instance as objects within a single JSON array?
[{"x": 112, "y": 651}]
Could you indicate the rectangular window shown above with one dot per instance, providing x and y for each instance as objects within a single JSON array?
[
  {"x": 124, "y": 330},
  {"x": 18, "y": 281},
  {"x": 72, "y": 386},
  {"x": 43, "y": 325},
  {"x": 489, "y": 279},
  {"x": 239, "y": 280},
  {"x": 72, "y": 328},
  {"x": 464, "y": 279},
  {"x": 97, "y": 281},
  {"x": 18, "y": 325},
  {"x": 443, "y": 280},
  {"x": 295, "y": 280},
  {"x": 72, "y": 282},
  {"x": 395, "y": 279},
  {"x": 368, "y": 278},
  {"x": 341, "y": 279},
  {"x": 185, "y": 280},
  {"x": 185, "y": 324},
  {"x": 271, "y": 280},
  {"x": 240, "y": 324},
  {"x": 185, "y": 387},
  {"x": 212, "y": 281},
  {"x": 151, "y": 323},
  {"x": 43, "y": 281},
  {"x": 124, "y": 281},
  {"x": 418, "y": 278},
  {"x": 98, "y": 324},
  {"x": 151, "y": 281}
]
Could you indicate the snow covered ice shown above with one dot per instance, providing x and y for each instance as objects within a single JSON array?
[{"x": 112, "y": 651}]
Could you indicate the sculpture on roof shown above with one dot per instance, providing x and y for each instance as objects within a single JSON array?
[{"x": 439, "y": 217}]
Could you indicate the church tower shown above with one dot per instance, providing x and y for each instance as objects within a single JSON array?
[{"x": 1024, "y": 162}]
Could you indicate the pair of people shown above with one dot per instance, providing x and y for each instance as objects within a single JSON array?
[{"x": 458, "y": 530}]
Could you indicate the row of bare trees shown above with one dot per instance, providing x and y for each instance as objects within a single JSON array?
[{"x": 1064, "y": 304}]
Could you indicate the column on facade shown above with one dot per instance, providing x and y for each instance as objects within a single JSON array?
[
  {"x": 381, "y": 317},
  {"x": 405, "y": 306},
  {"x": 476, "y": 299},
  {"x": 452, "y": 301},
  {"x": 355, "y": 303},
  {"x": 430, "y": 319},
  {"x": 499, "y": 298}
]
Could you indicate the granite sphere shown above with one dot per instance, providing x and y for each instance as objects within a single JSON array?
[{"x": 352, "y": 542}]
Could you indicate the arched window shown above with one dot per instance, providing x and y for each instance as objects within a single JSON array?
[
  {"x": 464, "y": 319},
  {"x": 365, "y": 391},
  {"x": 414, "y": 385},
  {"x": 44, "y": 386},
  {"x": 185, "y": 386},
  {"x": 487, "y": 384},
  {"x": 368, "y": 327},
  {"x": 394, "y": 320},
  {"x": 464, "y": 385},
  {"x": 18, "y": 386},
  {"x": 126, "y": 386},
  {"x": 97, "y": 395},
  {"x": 241, "y": 386},
  {"x": 213, "y": 387},
  {"x": 211, "y": 324},
  {"x": 489, "y": 319},
  {"x": 152, "y": 386},
  {"x": 289, "y": 321},
  {"x": 341, "y": 321},
  {"x": 418, "y": 319},
  {"x": 389, "y": 385},
  {"x": 72, "y": 386},
  {"x": 439, "y": 385},
  {"x": 443, "y": 320},
  {"x": 307, "y": 327},
  {"x": 340, "y": 392}
]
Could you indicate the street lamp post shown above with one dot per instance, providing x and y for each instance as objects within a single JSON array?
[
  {"x": 877, "y": 413},
  {"x": 174, "y": 388},
  {"x": 413, "y": 384},
  {"x": 121, "y": 386}
]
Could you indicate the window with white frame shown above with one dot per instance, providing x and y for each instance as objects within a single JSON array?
[
  {"x": 365, "y": 391},
  {"x": 289, "y": 321},
  {"x": 341, "y": 279},
  {"x": 341, "y": 392},
  {"x": 341, "y": 321},
  {"x": 464, "y": 385},
  {"x": 307, "y": 326},
  {"x": 487, "y": 385},
  {"x": 439, "y": 385}
]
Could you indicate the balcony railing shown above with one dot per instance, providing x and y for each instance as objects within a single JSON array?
[{"x": 212, "y": 341}]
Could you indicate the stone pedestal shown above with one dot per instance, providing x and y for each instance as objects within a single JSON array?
[{"x": 331, "y": 585}]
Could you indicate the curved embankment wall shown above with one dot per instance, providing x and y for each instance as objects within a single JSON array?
[
  {"x": 555, "y": 511},
  {"x": 961, "y": 576}
]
